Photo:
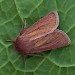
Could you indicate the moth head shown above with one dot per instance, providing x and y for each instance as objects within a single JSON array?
[
  {"x": 16, "y": 43},
  {"x": 13, "y": 41},
  {"x": 21, "y": 44}
]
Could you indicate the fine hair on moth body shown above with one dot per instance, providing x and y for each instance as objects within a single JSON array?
[{"x": 42, "y": 36}]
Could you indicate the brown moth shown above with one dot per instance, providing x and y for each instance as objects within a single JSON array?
[{"x": 41, "y": 36}]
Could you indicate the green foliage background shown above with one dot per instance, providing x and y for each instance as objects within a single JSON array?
[{"x": 57, "y": 62}]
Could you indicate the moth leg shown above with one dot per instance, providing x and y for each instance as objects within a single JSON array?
[
  {"x": 37, "y": 54},
  {"x": 24, "y": 20},
  {"x": 24, "y": 58}
]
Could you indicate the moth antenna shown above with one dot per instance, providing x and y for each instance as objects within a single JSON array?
[
  {"x": 13, "y": 40},
  {"x": 8, "y": 40}
]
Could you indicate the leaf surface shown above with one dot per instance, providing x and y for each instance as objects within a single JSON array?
[{"x": 60, "y": 61}]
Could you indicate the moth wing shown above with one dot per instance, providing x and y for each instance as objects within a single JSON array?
[
  {"x": 50, "y": 41},
  {"x": 45, "y": 25}
]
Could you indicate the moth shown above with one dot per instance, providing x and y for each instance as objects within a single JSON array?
[{"x": 41, "y": 36}]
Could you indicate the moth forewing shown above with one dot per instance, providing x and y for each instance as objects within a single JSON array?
[
  {"x": 46, "y": 24},
  {"x": 51, "y": 41}
]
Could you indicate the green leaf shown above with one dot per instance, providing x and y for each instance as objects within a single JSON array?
[{"x": 60, "y": 61}]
